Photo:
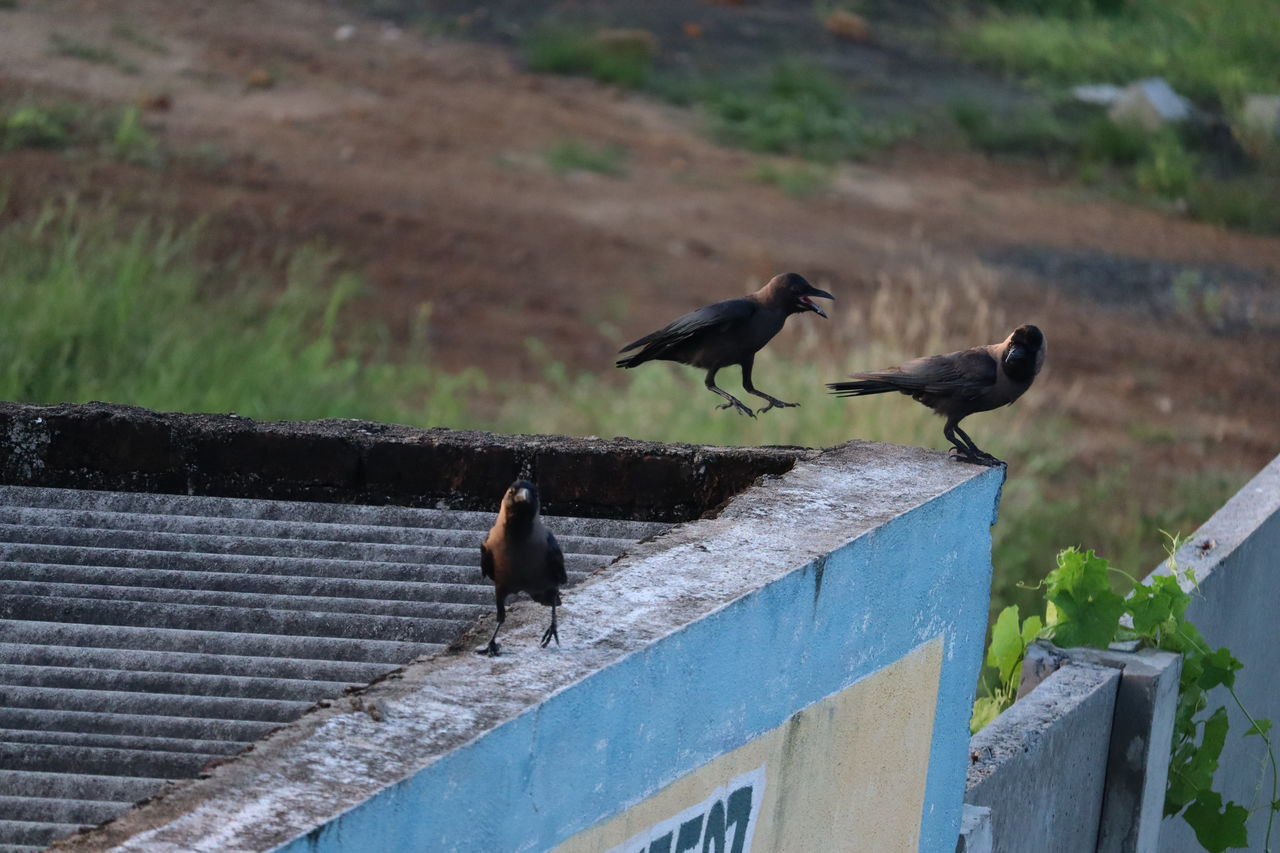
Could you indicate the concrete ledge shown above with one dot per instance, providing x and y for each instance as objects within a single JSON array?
[
  {"x": 695, "y": 646},
  {"x": 124, "y": 448},
  {"x": 1041, "y": 765}
]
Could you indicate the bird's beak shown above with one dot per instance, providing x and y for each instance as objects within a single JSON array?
[
  {"x": 811, "y": 305},
  {"x": 522, "y": 496},
  {"x": 1016, "y": 352}
]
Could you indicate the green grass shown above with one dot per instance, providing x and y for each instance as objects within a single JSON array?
[
  {"x": 792, "y": 108},
  {"x": 1247, "y": 203},
  {"x": 117, "y": 133},
  {"x": 571, "y": 50},
  {"x": 1165, "y": 165},
  {"x": 1213, "y": 51},
  {"x": 127, "y": 30},
  {"x": 63, "y": 45},
  {"x": 29, "y": 126},
  {"x": 571, "y": 155},
  {"x": 93, "y": 310},
  {"x": 800, "y": 180}
]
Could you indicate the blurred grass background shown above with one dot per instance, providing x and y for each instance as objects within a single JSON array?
[{"x": 95, "y": 308}]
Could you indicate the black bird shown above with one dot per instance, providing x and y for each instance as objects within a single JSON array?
[
  {"x": 730, "y": 332},
  {"x": 958, "y": 384},
  {"x": 521, "y": 555}
]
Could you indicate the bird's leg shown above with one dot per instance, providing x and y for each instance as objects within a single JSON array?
[
  {"x": 551, "y": 633},
  {"x": 734, "y": 402},
  {"x": 492, "y": 649},
  {"x": 974, "y": 449},
  {"x": 774, "y": 402},
  {"x": 965, "y": 450}
]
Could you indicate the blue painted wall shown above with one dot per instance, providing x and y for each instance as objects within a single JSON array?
[{"x": 619, "y": 736}]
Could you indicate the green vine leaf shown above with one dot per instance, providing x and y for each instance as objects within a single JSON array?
[
  {"x": 1081, "y": 609},
  {"x": 1156, "y": 605},
  {"x": 1259, "y": 727},
  {"x": 1007, "y": 646},
  {"x": 1085, "y": 610},
  {"x": 1219, "y": 668},
  {"x": 1218, "y": 828},
  {"x": 1205, "y": 762}
]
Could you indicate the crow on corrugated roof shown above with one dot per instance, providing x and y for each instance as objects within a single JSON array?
[
  {"x": 521, "y": 555},
  {"x": 730, "y": 332},
  {"x": 961, "y": 383}
]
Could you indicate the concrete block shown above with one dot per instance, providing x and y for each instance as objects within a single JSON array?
[
  {"x": 1041, "y": 765},
  {"x": 1138, "y": 761},
  {"x": 975, "y": 830}
]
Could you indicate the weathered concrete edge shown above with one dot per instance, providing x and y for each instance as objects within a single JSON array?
[
  {"x": 124, "y": 448},
  {"x": 1238, "y": 520},
  {"x": 438, "y": 705},
  {"x": 1015, "y": 733}
]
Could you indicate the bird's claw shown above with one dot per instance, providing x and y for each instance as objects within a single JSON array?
[
  {"x": 550, "y": 634},
  {"x": 739, "y": 406},
  {"x": 490, "y": 650},
  {"x": 777, "y": 404},
  {"x": 980, "y": 458}
]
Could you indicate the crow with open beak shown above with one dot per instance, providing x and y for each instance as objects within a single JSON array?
[
  {"x": 958, "y": 384},
  {"x": 521, "y": 555},
  {"x": 730, "y": 332}
]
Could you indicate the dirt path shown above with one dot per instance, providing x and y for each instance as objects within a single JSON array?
[{"x": 423, "y": 162}]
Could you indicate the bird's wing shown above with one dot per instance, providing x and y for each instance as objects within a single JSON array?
[
  {"x": 967, "y": 373},
  {"x": 716, "y": 316},
  {"x": 555, "y": 559},
  {"x": 486, "y": 561}
]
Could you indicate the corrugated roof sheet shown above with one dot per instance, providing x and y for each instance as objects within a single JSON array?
[{"x": 144, "y": 635}]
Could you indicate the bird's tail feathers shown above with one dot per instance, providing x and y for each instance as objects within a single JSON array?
[
  {"x": 868, "y": 383},
  {"x": 633, "y": 360}
]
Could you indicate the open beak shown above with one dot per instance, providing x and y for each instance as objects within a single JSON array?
[{"x": 811, "y": 305}]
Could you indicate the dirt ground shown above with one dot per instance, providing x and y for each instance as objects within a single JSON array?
[{"x": 421, "y": 160}]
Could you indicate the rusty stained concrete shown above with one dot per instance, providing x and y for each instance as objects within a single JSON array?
[{"x": 343, "y": 753}]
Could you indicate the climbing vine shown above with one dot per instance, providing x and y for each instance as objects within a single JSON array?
[{"x": 1081, "y": 609}]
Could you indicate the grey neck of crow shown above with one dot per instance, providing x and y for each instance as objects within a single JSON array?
[{"x": 776, "y": 296}]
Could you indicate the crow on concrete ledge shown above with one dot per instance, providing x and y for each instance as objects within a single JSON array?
[
  {"x": 958, "y": 384},
  {"x": 521, "y": 555},
  {"x": 730, "y": 332}
]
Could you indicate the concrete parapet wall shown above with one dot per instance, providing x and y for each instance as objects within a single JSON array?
[
  {"x": 125, "y": 448},
  {"x": 1235, "y": 557},
  {"x": 819, "y": 637}
]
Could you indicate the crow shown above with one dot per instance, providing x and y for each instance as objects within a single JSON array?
[
  {"x": 521, "y": 555},
  {"x": 958, "y": 384},
  {"x": 730, "y": 332}
]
